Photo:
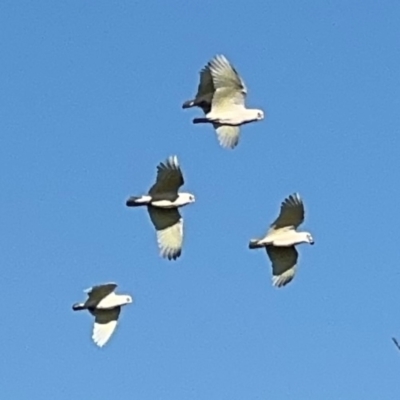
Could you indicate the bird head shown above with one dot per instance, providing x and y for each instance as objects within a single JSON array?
[
  {"x": 259, "y": 115},
  {"x": 309, "y": 238},
  {"x": 128, "y": 299},
  {"x": 186, "y": 198}
]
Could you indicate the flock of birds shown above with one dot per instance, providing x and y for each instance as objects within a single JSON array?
[{"x": 221, "y": 95}]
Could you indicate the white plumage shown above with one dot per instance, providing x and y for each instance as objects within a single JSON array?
[{"x": 104, "y": 325}]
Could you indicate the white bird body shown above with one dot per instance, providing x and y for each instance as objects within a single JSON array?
[
  {"x": 284, "y": 238},
  {"x": 182, "y": 200},
  {"x": 236, "y": 116},
  {"x": 281, "y": 239},
  {"x": 114, "y": 300}
]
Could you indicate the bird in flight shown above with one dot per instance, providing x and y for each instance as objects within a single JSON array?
[
  {"x": 281, "y": 239},
  {"x": 105, "y": 305},
  {"x": 221, "y": 94},
  {"x": 163, "y": 201}
]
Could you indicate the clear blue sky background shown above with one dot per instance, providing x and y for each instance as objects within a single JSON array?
[{"x": 90, "y": 102}]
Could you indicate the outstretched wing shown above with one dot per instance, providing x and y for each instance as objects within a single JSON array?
[
  {"x": 169, "y": 227},
  {"x": 105, "y": 323},
  {"x": 284, "y": 260},
  {"x": 206, "y": 85},
  {"x": 98, "y": 293},
  {"x": 291, "y": 213},
  {"x": 228, "y": 136},
  {"x": 205, "y": 90},
  {"x": 229, "y": 86},
  {"x": 169, "y": 178}
]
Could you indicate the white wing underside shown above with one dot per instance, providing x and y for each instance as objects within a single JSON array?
[
  {"x": 230, "y": 90},
  {"x": 224, "y": 75},
  {"x": 103, "y": 332},
  {"x": 228, "y": 136},
  {"x": 285, "y": 278},
  {"x": 284, "y": 260},
  {"x": 104, "y": 325},
  {"x": 169, "y": 228},
  {"x": 170, "y": 240},
  {"x": 227, "y": 100}
]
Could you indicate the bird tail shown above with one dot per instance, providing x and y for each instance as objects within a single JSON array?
[
  {"x": 136, "y": 201},
  {"x": 78, "y": 307},
  {"x": 188, "y": 104},
  {"x": 200, "y": 121},
  {"x": 254, "y": 244}
]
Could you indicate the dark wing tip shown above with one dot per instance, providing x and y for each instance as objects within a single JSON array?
[{"x": 174, "y": 256}]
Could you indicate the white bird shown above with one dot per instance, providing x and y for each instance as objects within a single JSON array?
[
  {"x": 281, "y": 239},
  {"x": 105, "y": 306},
  {"x": 221, "y": 94},
  {"x": 163, "y": 201}
]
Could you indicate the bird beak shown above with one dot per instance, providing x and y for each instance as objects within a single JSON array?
[{"x": 312, "y": 242}]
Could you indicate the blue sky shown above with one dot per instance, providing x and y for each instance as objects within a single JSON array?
[{"x": 90, "y": 102}]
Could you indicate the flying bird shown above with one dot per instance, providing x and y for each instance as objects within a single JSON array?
[
  {"x": 105, "y": 306},
  {"x": 221, "y": 95},
  {"x": 281, "y": 239},
  {"x": 163, "y": 201}
]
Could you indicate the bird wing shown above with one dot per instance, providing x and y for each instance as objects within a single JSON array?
[
  {"x": 169, "y": 227},
  {"x": 98, "y": 293},
  {"x": 291, "y": 213},
  {"x": 206, "y": 85},
  {"x": 228, "y": 136},
  {"x": 284, "y": 260},
  {"x": 169, "y": 177},
  {"x": 205, "y": 90},
  {"x": 105, "y": 323},
  {"x": 230, "y": 89}
]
